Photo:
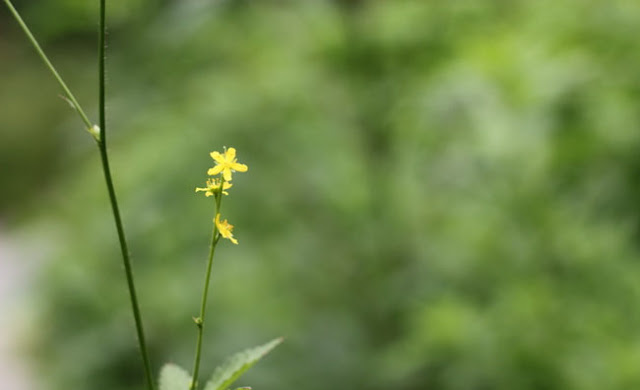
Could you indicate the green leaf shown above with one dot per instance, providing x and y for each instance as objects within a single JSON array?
[
  {"x": 237, "y": 364},
  {"x": 173, "y": 377}
]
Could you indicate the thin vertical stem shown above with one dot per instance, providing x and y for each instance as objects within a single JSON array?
[
  {"x": 215, "y": 237},
  {"x": 102, "y": 144},
  {"x": 100, "y": 137},
  {"x": 101, "y": 72},
  {"x": 127, "y": 265}
]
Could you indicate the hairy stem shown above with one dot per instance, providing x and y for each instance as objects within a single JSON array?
[
  {"x": 127, "y": 265},
  {"x": 102, "y": 144}
]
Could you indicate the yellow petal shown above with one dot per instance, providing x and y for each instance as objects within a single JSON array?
[
  {"x": 239, "y": 167},
  {"x": 227, "y": 174},
  {"x": 215, "y": 170},
  {"x": 230, "y": 155},
  {"x": 217, "y": 157},
  {"x": 225, "y": 229}
]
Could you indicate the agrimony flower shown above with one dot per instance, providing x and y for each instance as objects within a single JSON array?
[
  {"x": 226, "y": 163},
  {"x": 213, "y": 187},
  {"x": 225, "y": 229}
]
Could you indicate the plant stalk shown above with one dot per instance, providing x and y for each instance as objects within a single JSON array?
[
  {"x": 215, "y": 237},
  {"x": 102, "y": 145},
  {"x": 100, "y": 137},
  {"x": 53, "y": 70},
  {"x": 127, "y": 265}
]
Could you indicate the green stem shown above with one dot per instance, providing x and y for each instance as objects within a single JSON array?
[
  {"x": 44, "y": 57},
  {"x": 215, "y": 237},
  {"x": 127, "y": 265},
  {"x": 99, "y": 135},
  {"x": 101, "y": 71},
  {"x": 102, "y": 145}
]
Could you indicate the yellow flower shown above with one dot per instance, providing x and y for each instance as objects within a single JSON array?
[
  {"x": 226, "y": 163},
  {"x": 225, "y": 229},
  {"x": 213, "y": 186}
]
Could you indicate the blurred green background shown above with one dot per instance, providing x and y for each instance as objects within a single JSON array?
[{"x": 441, "y": 195}]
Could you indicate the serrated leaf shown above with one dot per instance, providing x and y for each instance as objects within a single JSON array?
[
  {"x": 237, "y": 364},
  {"x": 173, "y": 377}
]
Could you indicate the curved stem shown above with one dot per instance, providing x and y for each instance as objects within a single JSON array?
[
  {"x": 44, "y": 57},
  {"x": 215, "y": 237}
]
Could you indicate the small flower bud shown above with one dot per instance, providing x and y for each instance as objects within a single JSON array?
[{"x": 95, "y": 132}]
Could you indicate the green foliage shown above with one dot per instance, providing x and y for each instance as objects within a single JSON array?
[
  {"x": 173, "y": 377},
  {"x": 236, "y": 365},
  {"x": 443, "y": 195}
]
